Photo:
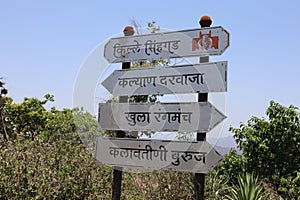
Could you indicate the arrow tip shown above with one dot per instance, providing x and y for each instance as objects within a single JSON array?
[
  {"x": 109, "y": 83},
  {"x": 216, "y": 117}
]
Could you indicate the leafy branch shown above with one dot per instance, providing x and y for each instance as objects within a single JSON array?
[{"x": 2, "y": 102}]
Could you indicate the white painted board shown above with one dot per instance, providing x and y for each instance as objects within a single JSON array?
[
  {"x": 165, "y": 45},
  {"x": 182, "y": 117},
  {"x": 197, "y": 157},
  {"x": 204, "y": 78}
]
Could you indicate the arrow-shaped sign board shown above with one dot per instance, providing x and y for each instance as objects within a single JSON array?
[
  {"x": 197, "y": 157},
  {"x": 183, "y": 117},
  {"x": 209, "y": 77},
  {"x": 165, "y": 45}
]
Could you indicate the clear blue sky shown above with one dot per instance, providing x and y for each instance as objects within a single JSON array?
[{"x": 44, "y": 43}]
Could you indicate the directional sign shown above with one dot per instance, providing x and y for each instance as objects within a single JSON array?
[
  {"x": 197, "y": 157},
  {"x": 185, "y": 43},
  {"x": 210, "y": 77},
  {"x": 183, "y": 117}
]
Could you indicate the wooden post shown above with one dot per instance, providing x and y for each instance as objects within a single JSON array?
[
  {"x": 205, "y": 21},
  {"x": 117, "y": 172}
]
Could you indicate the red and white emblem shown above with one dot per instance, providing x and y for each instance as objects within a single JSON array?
[{"x": 205, "y": 42}]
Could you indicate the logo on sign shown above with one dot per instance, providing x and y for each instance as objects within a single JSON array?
[{"x": 205, "y": 41}]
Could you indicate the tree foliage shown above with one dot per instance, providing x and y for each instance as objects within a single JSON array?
[
  {"x": 53, "y": 163},
  {"x": 45, "y": 159},
  {"x": 31, "y": 119},
  {"x": 271, "y": 147},
  {"x": 86, "y": 127},
  {"x": 3, "y": 91}
]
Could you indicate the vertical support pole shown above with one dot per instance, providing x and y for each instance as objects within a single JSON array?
[
  {"x": 117, "y": 172},
  {"x": 205, "y": 21}
]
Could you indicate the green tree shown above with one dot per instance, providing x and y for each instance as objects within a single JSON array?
[
  {"x": 45, "y": 158},
  {"x": 30, "y": 119},
  {"x": 57, "y": 124},
  {"x": 86, "y": 127},
  {"x": 231, "y": 167},
  {"x": 56, "y": 165},
  {"x": 271, "y": 147}
]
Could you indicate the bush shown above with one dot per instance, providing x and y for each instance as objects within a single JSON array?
[
  {"x": 248, "y": 187},
  {"x": 58, "y": 170}
]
